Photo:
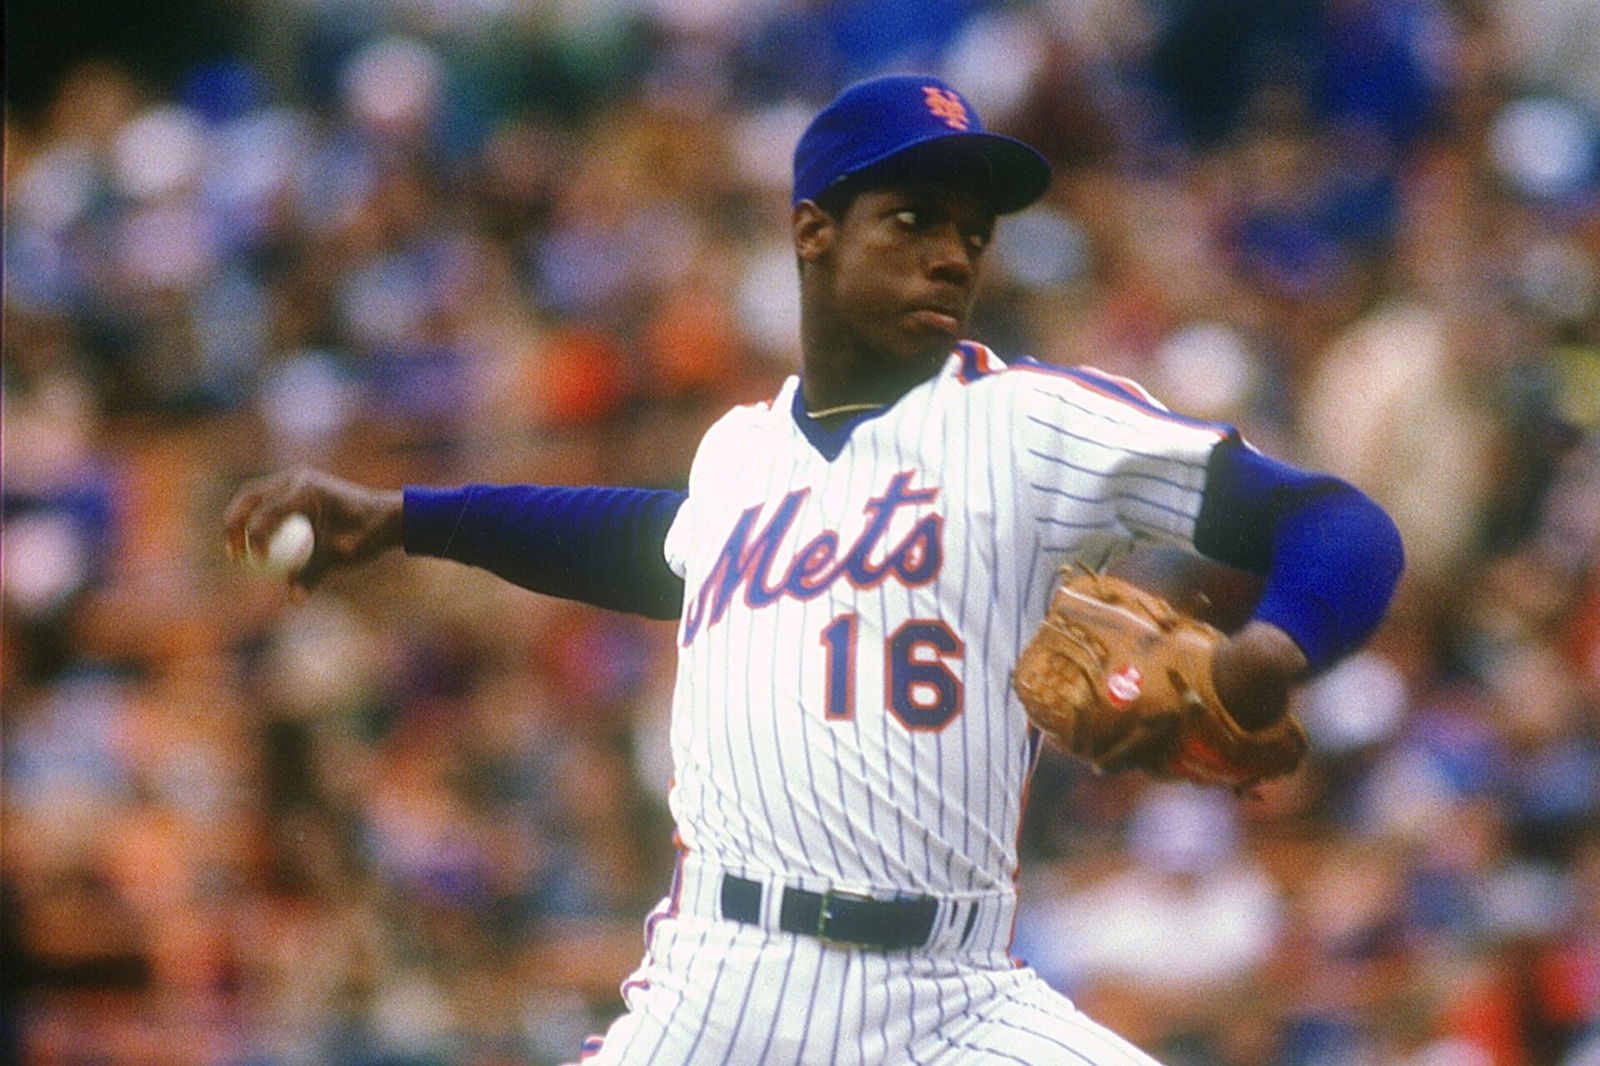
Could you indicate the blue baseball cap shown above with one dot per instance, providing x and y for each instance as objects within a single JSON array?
[{"x": 914, "y": 120}]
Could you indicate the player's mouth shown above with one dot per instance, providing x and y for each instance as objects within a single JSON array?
[{"x": 937, "y": 319}]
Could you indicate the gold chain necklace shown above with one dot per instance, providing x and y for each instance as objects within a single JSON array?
[{"x": 844, "y": 409}]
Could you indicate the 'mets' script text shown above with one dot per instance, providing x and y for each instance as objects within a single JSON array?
[{"x": 749, "y": 560}]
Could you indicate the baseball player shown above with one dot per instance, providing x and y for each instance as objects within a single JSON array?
[{"x": 853, "y": 569}]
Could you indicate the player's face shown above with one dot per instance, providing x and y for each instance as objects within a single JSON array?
[{"x": 900, "y": 269}]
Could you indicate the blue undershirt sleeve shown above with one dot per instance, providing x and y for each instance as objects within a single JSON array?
[
  {"x": 597, "y": 545},
  {"x": 1331, "y": 557}
]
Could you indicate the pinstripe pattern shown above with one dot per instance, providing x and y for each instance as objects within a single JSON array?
[
  {"x": 798, "y": 1001},
  {"x": 936, "y": 526}
]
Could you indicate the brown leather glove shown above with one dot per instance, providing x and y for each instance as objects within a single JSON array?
[{"x": 1120, "y": 678}]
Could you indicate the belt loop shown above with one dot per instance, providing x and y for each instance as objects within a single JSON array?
[
  {"x": 772, "y": 904},
  {"x": 972, "y": 921}
]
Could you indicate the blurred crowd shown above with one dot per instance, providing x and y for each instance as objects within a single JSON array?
[{"x": 417, "y": 818}]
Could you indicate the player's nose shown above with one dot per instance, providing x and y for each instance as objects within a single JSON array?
[{"x": 950, "y": 256}]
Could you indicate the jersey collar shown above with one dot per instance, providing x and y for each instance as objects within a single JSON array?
[
  {"x": 828, "y": 439},
  {"x": 967, "y": 360}
]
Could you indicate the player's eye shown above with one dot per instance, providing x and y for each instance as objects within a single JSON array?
[
  {"x": 978, "y": 240},
  {"x": 908, "y": 217}
]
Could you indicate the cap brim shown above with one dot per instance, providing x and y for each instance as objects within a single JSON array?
[{"x": 1016, "y": 174}]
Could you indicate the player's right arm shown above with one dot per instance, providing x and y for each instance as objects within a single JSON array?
[{"x": 597, "y": 545}]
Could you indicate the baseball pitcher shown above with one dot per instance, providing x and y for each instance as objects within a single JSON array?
[{"x": 889, "y": 590}]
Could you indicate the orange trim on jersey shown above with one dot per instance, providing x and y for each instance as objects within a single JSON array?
[
  {"x": 677, "y": 879},
  {"x": 1127, "y": 383},
  {"x": 674, "y": 897},
  {"x": 977, "y": 361}
]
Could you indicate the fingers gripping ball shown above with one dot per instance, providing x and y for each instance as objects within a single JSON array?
[
  {"x": 287, "y": 550},
  {"x": 1120, "y": 678}
]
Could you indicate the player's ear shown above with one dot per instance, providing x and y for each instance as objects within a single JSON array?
[{"x": 813, "y": 230}]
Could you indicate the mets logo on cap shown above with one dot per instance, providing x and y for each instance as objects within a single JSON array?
[
  {"x": 881, "y": 119},
  {"x": 946, "y": 105}
]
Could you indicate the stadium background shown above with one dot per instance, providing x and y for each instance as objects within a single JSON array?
[{"x": 416, "y": 820}]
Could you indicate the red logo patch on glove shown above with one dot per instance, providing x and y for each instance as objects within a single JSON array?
[{"x": 1124, "y": 686}]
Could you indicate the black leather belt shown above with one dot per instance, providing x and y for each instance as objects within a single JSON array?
[{"x": 840, "y": 917}]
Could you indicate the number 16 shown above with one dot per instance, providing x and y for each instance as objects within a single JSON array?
[{"x": 921, "y": 690}]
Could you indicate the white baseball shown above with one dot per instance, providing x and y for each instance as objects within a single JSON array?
[{"x": 289, "y": 548}]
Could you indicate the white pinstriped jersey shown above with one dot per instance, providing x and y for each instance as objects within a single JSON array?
[{"x": 843, "y": 715}]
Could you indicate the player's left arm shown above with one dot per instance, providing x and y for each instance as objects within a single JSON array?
[{"x": 1331, "y": 559}]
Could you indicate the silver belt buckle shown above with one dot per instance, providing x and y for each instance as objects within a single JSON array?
[{"x": 825, "y": 914}]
